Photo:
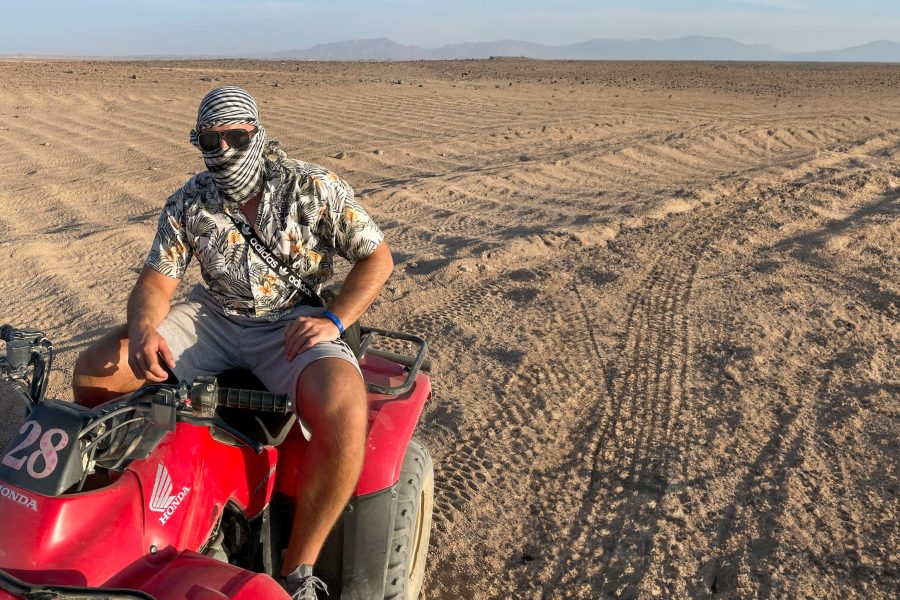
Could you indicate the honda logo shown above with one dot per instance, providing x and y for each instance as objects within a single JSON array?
[{"x": 161, "y": 499}]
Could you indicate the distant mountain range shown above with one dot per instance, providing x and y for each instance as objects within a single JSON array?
[{"x": 686, "y": 48}]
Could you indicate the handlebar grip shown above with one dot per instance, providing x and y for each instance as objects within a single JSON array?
[
  {"x": 6, "y": 332},
  {"x": 255, "y": 400}
]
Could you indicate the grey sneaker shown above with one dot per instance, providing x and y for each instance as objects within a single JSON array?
[{"x": 301, "y": 584}]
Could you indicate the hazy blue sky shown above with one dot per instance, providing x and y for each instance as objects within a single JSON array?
[{"x": 232, "y": 27}]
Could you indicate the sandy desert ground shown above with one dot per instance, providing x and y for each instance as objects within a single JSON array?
[{"x": 663, "y": 299}]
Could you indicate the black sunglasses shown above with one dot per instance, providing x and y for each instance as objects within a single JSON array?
[{"x": 235, "y": 138}]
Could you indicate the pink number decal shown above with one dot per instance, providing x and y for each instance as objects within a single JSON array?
[
  {"x": 48, "y": 452},
  {"x": 13, "y": 461}
]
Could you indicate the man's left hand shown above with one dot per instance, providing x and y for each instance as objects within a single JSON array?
[{"x": 305, "y": 332}]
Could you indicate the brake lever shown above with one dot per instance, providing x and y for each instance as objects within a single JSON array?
[{"x": 218, "y": 423}]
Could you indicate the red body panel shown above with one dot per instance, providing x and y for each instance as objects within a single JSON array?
[
  {"x": 227, "y": 473},
  {"x": 62, "y": 540},
  {"x": 58, "y": 542},
  {"x": 172, "y": 500}
]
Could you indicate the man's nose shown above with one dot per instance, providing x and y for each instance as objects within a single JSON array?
[{"x": 223, "y": 145}]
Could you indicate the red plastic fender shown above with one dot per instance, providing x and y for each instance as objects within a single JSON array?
[
  {"x": 392, "y": 420},
  {"x": 171, "y": 575}
]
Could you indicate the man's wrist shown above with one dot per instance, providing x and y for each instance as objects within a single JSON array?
[
  {"x": 139, "y": 327},
  {"x": 334, "y": 319}
]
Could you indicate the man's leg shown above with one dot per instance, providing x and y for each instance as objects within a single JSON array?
[
  {"x": 102, "y": 372},
  {"x": 200, "y": 338},
  {"x": 331, "y": 398}
]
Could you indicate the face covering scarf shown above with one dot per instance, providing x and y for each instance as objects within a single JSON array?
[{"x": 237, "y": 174}]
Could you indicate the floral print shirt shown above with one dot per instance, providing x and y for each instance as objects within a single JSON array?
[{"x": 306, "y": 216}]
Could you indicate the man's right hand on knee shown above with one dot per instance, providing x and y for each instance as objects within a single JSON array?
[{"x": 147, "y": 350}]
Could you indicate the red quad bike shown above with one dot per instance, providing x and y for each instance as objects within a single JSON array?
[{"x": 187, "y": 490}]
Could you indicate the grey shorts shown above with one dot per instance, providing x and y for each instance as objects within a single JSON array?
[{"x": 206, "y": 341}]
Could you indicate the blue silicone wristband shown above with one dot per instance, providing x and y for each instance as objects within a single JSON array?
[{"x": 334, "y": 319}]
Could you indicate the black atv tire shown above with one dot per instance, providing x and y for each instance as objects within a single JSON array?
[{"x": 412, "y": 525}]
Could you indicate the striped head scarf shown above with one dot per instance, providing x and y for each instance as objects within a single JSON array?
[{"x": 238, "y": 174}]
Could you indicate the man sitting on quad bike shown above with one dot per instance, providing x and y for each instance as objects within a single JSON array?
[{"x": 265, "y": 229}]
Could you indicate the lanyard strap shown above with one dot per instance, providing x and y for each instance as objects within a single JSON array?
[{"x": 287, "y": 274}]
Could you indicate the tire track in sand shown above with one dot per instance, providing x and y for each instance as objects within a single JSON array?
[
  {"x": 637, "y": 440},
  {"x": 640, "y": 441}
]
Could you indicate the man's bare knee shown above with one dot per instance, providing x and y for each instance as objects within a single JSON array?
[
  {"x": 101, "y": 370},
  {"x": 332, "y": 398}
]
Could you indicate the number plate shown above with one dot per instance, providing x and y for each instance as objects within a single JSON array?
[{"x": 44, "y": 456}]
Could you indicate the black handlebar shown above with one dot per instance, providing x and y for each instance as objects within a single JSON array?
[
  {"x": 27, "y": 348},
  {"x": 35, "y": 337},
  {"x": 255, "y": 400},
  {"x": 206, "y": 395}
]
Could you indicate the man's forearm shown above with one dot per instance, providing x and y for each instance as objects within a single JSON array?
[
  {"x": 147, "y": 306},
  {"x": 362, "y": 285}
]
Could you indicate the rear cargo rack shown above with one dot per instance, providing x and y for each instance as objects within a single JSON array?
[{"x": 414, "y": 364}]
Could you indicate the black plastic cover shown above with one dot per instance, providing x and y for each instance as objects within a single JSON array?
[
  {"x": 162, "y": 409},
  {"x": 367, "y": 530},
  {"x": 45, "y": 456}
]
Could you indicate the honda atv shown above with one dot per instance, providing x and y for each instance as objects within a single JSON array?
[{"x": 187, "y": 490}]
